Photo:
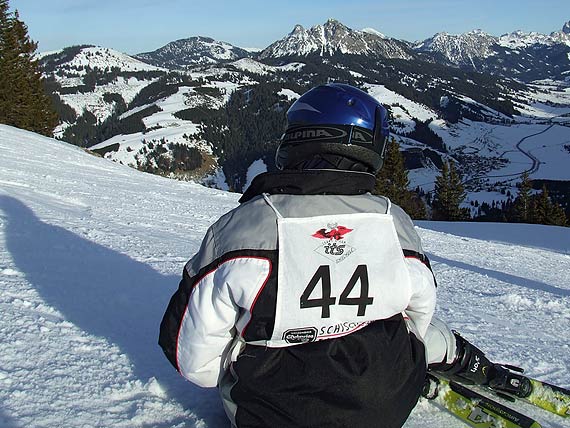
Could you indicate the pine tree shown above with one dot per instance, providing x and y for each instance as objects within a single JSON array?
[
  {"x": 442, "y": 194},
  {"x": 4, "y": 81},
  {"x": 23, "y": 100},
  {"x": 558, "y": 216},
  {"x": 392, "y": 181},
  {"x": 546, "y": 211},
  {"x": 523, "y": 202},
  {"x": 448, "y": 195},
  {"x": 542, "y": 207}
]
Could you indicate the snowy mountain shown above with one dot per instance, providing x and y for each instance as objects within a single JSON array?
[
  {"x": 562, "y": 36},
  {"x": 77, "y": 58},
  {"x": 193, "y": 51},
  {"x": 460, "y": 49},
  {"x": 520, "y": 39},
  {"x": 335, "y": 38},
  {"x": 91, "y": 252},
  {"x": 202, "y": 123},
  {"x": 518, "y": 55}
]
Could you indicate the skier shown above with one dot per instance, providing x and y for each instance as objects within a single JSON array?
[{"x": 309, "y": 304}]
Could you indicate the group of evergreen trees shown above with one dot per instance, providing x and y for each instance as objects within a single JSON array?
[
  {"x": 392, "y": 181},
  {"x": 245, "y": 129},
  {"x": 527, "y": 207},
  {"x": 23, "y": 99},
  {"x": 449, "y": 194}
]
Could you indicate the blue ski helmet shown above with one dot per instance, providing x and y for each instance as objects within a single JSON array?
[{"x": 335, "y": 119}]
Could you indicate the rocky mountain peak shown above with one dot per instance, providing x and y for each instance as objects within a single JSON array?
[
  {"x": 298, "y": 29},
  {"x": 562, "y": 36},
  {"x": 334, "y": 24},
  {"x": 460, "y": 49},
  {"x": 334, "y": 37}
]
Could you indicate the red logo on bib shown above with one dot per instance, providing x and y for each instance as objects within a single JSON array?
[{"x": 335, "y": 232}]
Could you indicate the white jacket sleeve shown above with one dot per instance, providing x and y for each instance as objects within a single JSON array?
[
  {"x": 422, "y": 303},
  {"x": 205, "y": 331},
  {"x": 218, "y": 307}
]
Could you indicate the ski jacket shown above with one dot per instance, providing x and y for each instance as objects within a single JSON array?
[{"x": 306, "y": 305}]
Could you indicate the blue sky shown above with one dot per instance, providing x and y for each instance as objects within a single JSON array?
[{"x": 134, "y": 26}]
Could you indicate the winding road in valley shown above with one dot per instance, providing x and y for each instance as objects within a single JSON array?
[
  {"x": 533, "y": 158},
  {"x": 535, "y": 161}
]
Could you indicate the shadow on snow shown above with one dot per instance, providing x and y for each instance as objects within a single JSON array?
[
  {"x": 106, "y": 294},
  {"x": 7, "y": 421},
  {"x": 505, "y": 277}
]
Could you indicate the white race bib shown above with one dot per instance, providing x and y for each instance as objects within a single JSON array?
[{"x": 337, "y": 273}]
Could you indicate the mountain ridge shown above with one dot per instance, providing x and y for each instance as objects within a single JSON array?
[
  {"x": 223, "y": 115},
  {"x": 518, "y": 55},
  {"x": 195, "y": 50}
]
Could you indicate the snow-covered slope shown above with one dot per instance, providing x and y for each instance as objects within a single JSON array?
[
  {"x": 82, "y": 88},
  {"x": 252, "y": 66},
  {"x": 91, "y": 251},
  {"x": 96, "y": 56}
]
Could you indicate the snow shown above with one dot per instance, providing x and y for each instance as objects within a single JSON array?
[
  {"x": 91, "y": 251},
  {"x": 388, "y": 97},
  {"x": 374, "y": 32},
  {"x": 256, "y": 168},
  {"x": 252, "y": 66},
  {"x": 162, "y": 125},
  {"x": 289, "y": 94},
  {"x": 102, "y": 58},
  {"x": 94, "y": 101}
]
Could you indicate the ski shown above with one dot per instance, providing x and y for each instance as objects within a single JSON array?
[
  {"x": 512, "y": 385},
  {"x": 549, "y": 397},
  {"x": 472, "y": 408}
]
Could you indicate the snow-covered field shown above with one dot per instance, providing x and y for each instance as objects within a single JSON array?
[
  {"x": 91, "y": 251},
  {"x": 541, "y": 129},
  {"x": 544, "y": 141}
]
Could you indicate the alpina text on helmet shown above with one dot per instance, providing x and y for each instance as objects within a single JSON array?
[
  {"x": 361, "y": 137},
  {"x": 320, "y": 133}
]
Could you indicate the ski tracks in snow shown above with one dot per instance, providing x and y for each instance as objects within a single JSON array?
[{"x": 511, "y": 301}]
